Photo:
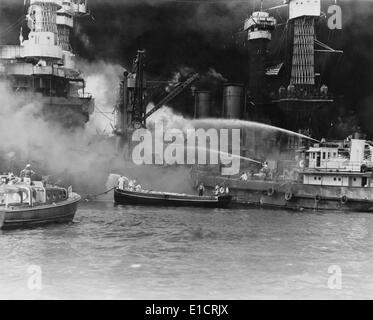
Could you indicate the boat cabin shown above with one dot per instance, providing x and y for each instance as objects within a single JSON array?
[
  {"x": 23, "y": 194},
  {"x": 339, "y": 164}
]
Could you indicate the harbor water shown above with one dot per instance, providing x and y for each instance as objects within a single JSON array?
[{"x": 115, "y": 252}]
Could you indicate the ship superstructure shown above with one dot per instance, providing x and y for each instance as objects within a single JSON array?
[
  {"x": 302, "y": 97},
  {"x": 44, "y": 63},
  {"x": 258, "y": 27}
]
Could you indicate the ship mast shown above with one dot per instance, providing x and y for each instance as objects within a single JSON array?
[
  {"x": 303, "y": 15},
  {"x": 44, "y": 63},
  {"x": 303, "y": 102},
  {"x": 65, "y": 20},
  {"x": 258, "y": 27},
  {"x": 42, "y": 40},
  {"x": 51, "y": 22}
]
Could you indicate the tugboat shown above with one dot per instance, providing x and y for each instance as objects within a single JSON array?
[
  {"x": 27, "y": 204},
  {"x": 135, "y": 195},
  {"x": 335, "y": 175}
]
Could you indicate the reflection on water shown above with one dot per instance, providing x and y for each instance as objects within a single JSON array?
[{"x": 166, "y": 253}]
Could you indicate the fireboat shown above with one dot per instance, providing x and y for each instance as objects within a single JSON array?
[{"x": 330, "y": 175}]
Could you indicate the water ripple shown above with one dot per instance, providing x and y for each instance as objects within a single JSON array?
[{"x": 115, "y": 252}]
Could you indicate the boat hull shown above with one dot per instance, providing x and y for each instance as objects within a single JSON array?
[
  {"x": 295, "y": 196},
  {"x": 61, "y": 212},
  {"x": 126, "y": 197}
]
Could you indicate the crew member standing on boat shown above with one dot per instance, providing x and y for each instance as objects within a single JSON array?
[
  {"x": 121, "y": 182},
  {"x": 27, "y": 172},
  {"x": 12, "y": 179},
  {"x": 131, "y": 185},
  {"x": 201, "y": 190}
]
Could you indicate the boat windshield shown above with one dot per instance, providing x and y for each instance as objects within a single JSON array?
[{"x": 20, "y": 195}]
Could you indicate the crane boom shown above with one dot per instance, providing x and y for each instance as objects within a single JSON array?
[{"x": 173, "y": 94}]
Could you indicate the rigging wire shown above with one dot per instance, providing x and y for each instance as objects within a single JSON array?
[
  {"x": 18, "y": 22},
  {"x": 103, "y": 113}
]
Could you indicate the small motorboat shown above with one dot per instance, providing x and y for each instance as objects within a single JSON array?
[
  {"x": 25, "y": 204},
  {"x": 154, "y": 198}
]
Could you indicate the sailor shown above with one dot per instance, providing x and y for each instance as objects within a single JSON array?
[
  {"x": 12, "y": 179},
  {"x": 131, "y": 185},
  {"x": 324, "y": 91},
  {"x": 264, "y": 172},
  {"x": 282, "y": 92},
  {"x": 265, "y": 168},
  {"x": 216, "y": 191},
  {"x": 138, "y": 188},
  {"x": 27, "y": 172},
  {"x": 291, "y": 90},
  {"x": 244, "y": 177},
  {"x": 201, "y": 189},
  {"x": 121, "y": 183}
]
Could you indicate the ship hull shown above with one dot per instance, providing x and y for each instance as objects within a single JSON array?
[
  {"x": 69, "y": 112},
  {"x": 295, "y": 196},
  {"x": 61, "y": 212},
  {"x": 126, "y": 197}
]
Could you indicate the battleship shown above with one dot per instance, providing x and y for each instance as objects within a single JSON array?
[
  {"x": 333, "y": 175},
  {"x": 43, "y": 64},
  {"x": 289, "y": 93},
  {"x": 337, "y": 180}
]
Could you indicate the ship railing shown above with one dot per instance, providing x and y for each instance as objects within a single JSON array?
[
  {"x": 85, "y": 95},
  {"x": 58, "y": 2},
  {"x": 303, "y": 95},
  {"x": 341, "y": 166}
]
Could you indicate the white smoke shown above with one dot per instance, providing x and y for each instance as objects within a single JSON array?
[
  {"x": 168, "y": 118},
  {"x": 26, "y": 136},
  {"x": 102, "y": 81},
  {"x": 79, "y": 158}
]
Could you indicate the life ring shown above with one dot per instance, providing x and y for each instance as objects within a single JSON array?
[
  {"x": 288, "y": 196},
  {"x": 271, "y": 191},
  {"x": 222, "y": 190},
  {"x": 344, "y": 199}
]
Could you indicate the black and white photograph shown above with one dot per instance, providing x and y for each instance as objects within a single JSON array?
[{"x": 188, "y": 150}]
